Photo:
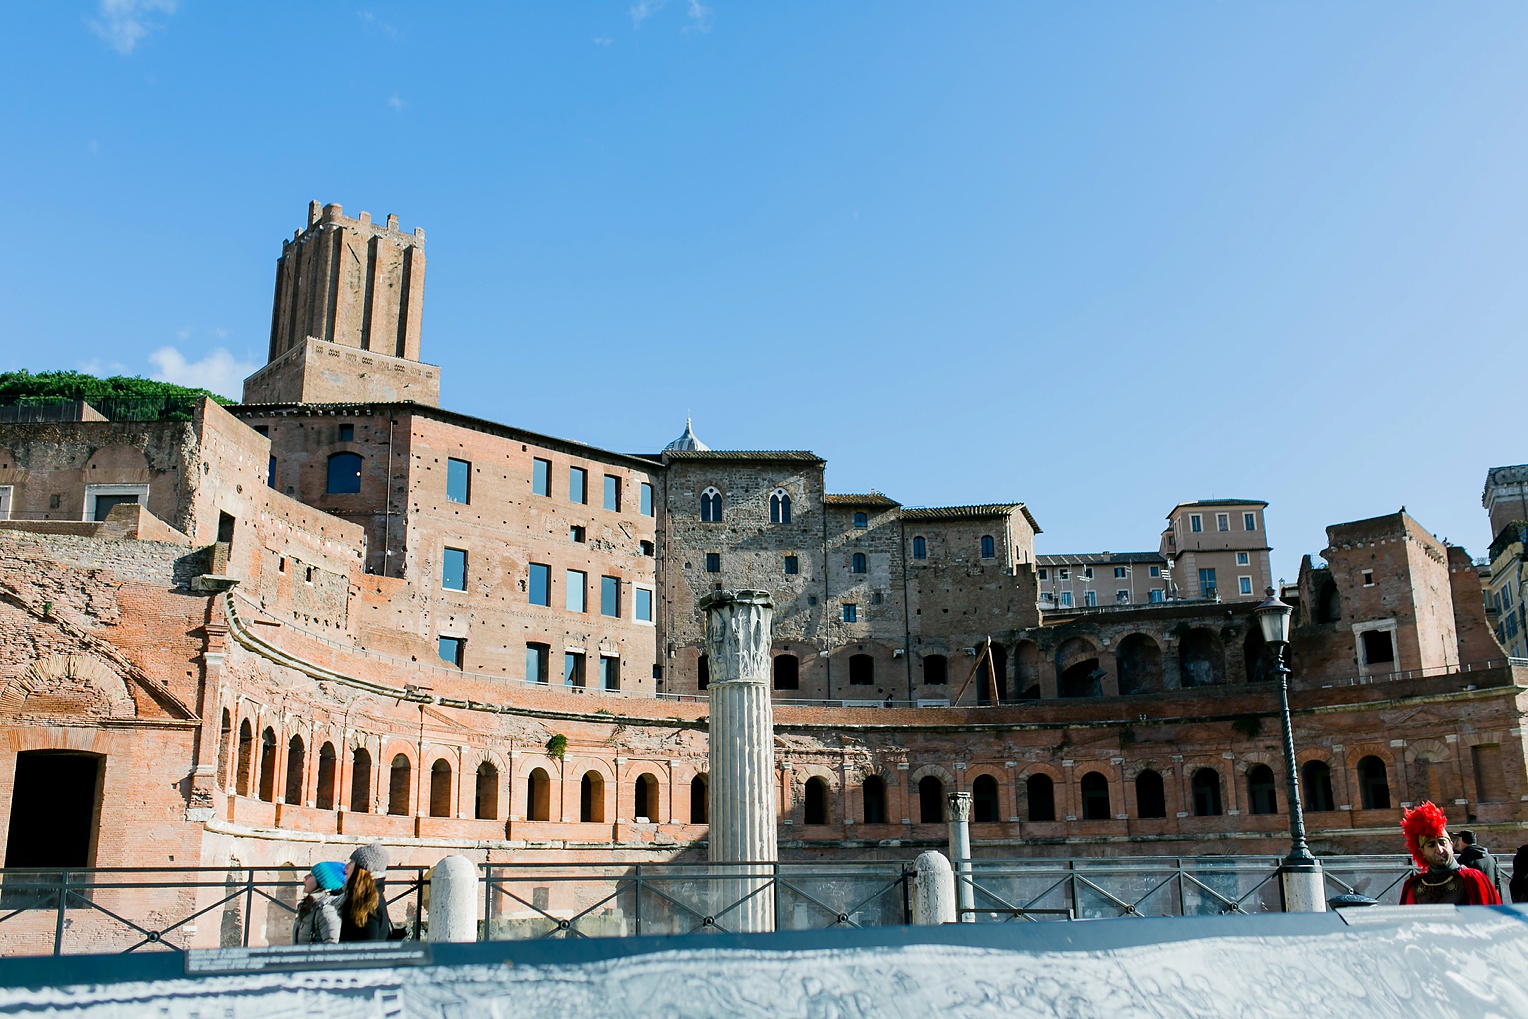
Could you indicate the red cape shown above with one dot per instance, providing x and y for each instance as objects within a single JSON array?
[{"x": 1476, "y": 885}]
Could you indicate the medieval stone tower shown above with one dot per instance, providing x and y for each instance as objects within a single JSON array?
[{"x": 345, "y": 321}]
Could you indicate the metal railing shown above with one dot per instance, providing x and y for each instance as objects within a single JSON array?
[{"x": 173, "y": 909}]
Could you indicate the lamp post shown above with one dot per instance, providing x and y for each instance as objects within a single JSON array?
[{"x": 1300, "y": 873}]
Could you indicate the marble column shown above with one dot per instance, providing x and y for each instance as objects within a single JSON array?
[
  {"x": 960, "y": 854},
  {"x": 743, "y": 813}
]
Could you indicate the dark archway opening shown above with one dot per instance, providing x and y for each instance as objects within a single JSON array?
[
  {"x": 55, "y": 804},
  {"x": 1201, "y": 662},
  {"x": 815, "y": 802},
  {"x": 1095, "y": 797},
  {"x": 1206, "y": 786},
  {"x": 700, "y": 800},
  {"x": 930, "y": 800},
  {"x": 984, "y": 807},
  {"x": 874, "y": 791},
  {"x": 324, "y": 796},
  {"x": 1041, "y": 792},
  {"x": 1085, "y": 679},
  {"x": 1317, "y": 786},
  {"x": 1150, "y": 795},
  {"x": 1262, "y": 795},
  {"x": 1140, "y": 665}
]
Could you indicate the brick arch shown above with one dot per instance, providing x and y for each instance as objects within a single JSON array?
[
  {"x": 1131, "y": 770},
  {"x": 1055, "y": 774},
  {"x": 1357, "y": 753},
  {"x": 1431, "y": 751},
  {"x": 998, "y": 774},
  {"x": 58, "y": 737},
  {"x": 803, "y": 771},
  {"x": 527, "y": 763},
  {"x": 577, "y": 767},
  {"x": 72, "y": 679},
  {"x": 1246, "y": 762},
  {"x": 943, "y": 775}
]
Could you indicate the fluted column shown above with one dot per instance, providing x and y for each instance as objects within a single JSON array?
[
  {"x": 960, "y": 854},
  {"x": 742, "y": 750}
]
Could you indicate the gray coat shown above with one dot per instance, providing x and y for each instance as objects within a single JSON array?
[{"x": 318, "y": 920}]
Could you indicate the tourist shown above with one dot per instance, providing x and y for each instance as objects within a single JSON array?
[
  {"x": 1441, "y": 879},
  {"x": 363, "y": 908},
  {"x": 318, "y": 921},
  {"x": 1479, "y": 857},
  {"x": 1519, "y": 884}
]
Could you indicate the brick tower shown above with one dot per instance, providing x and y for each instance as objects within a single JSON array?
[{"x": 345, "y": 322}]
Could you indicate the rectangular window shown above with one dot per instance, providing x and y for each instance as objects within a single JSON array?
[
  {"x": 1195, "y": 523},
  {"x": 1156, "y": 595},
  {"x": 792, "y": 564},
  {"x": 610, "y": 596},
  {"x": 347, "y": 433},
  {"x": 1064, "y": 573},
  {"x": 452, "y": 649},
  {"x": 578, "y": 485},
  {"x": 612, "y": 493},
  {"x": 1506, "y": 592},
  {"x": 1244, "y": 584},
  {"x": 1122, "y": 597},
  {"x": 1243, "y": 558},
  {"x": 577, "y": 595},
  {"x": 851, "y": 613},
  {"x": 1379, "y": 649},
  {"x": 1207, "y": 583},
  {"x": 644, "y": 600},
  {"x": 1043, "y": 574},
  {"x": 1222, "y": 521},
  {"x": 541, "y": 584},
  {"x": 875, "y": 599},
  {"x": 610, "y": 673},
  {"x": 645, "y": 547},
  {"x": 573, "y": 669},
  {"x": 270, "y": 474},
  {"x": 541, "y": 477},
  {"x": 458, "y": 480},
  {"x": 1155, "y": 571},
  {"x": 1120, "y": 573},
  {"x": 577, "y": 533},
  {"x": 1089, "y": 598},
  {"x": 1490, "y": 776},
  {"x": 713, "y": 562},
  {"x": 1249, "y": 521},
  {"x": 1087, "y": 573},
  {"x": 536, "y": 658},
  {"x": 1066, "y": 599},
  {"x": 645, "y": 504},
  {"x": 453, "y": 574}
]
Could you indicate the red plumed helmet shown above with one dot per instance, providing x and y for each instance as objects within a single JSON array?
[{"x": 1423, "y": 819}]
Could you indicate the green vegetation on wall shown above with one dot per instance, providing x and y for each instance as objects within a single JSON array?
[{"x": 24, "y": 385}]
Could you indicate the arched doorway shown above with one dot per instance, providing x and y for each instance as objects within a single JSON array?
[
  {"x": 1139, "y": 660},
  {"x": 1201, "y": 660}
]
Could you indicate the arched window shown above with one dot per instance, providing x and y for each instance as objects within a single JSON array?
[
  {"x": 268, "y": 765},
  {"x": 486, "y": 801},
  {"x": 874, "y": 792},
  {"x": 1261, "y": 795},
  {"x": 861, "y": 670},
  {"x": 440, "y": 788},
  {"x": 936, "y": 670},
  {"x": 327, "y": 766},
  {"x": 1041, "y": 792},
  {"x": 815, "y": 802},
  {"x": 296, "y": 765},
  {"x": 360, "y": 781},
  {"x": 1373, "y": 784},
  {"x": 861, "y": 520},
  {"x": 1317, "y": 786},
  {"x": 246, "y": 750},
  {"x": 703, "y": 671},
  {"x": 920, "y": 547},
  {"x": 1206, "y": 786},
  {"x": 989, "y": 547},
  {"x": 591, "y": 797},
  {"x": 225, "y": 749},
  {"x": 1095, "y": 797},
  {"x": 344, "y": 474},
  {"x": 857, "y": 564},
  {"x": 984, "y": 800},
  {"x": 700, "y": 800},
  {"x": 711, "y": 506},
  {"x": 787, "y": 672},
  {"x": 1150, "y": 796},
  {"x": 398, "y": 782},
  {"x": 538, "y": 796},
  {"x": 930, "y": 800},
  {"x": 645, "y": 805},
  {"x": 779, "y": 507}
]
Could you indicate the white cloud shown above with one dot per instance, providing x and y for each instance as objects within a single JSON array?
[
  {"x": 123, "y": 23},
  {"x": 698, "y": 13},
  {"x": 700, "y": 17},
  {"x": 218, "y": 371},
  {"x": 396, "y": 103},
  {"x": 603, "y": 40},
  {"x": 102, "y": 369},
  {"x": 644, "y": 9}
]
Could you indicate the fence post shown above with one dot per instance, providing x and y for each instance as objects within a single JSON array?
[
  {"x": 249, "y": 903},
  {"x": 453, "y": 900},
  {"x": 933, "y": 890},
  {"x": 638, "y": 910},
  {"x": 58, "y": 930},
  {"x": 1071, "y": 886},
  {"x": 1182, "y": 896},
  {"x": 776, "y": 889},
  {"x": 418, "y": 901}
]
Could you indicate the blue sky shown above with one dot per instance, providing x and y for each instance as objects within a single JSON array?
[{"x": 1097, "y": 257}]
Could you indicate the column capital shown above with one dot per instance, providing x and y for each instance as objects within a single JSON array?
[
  {"x": 738, "y": 628},
  {"x": 960, "y": 806}
]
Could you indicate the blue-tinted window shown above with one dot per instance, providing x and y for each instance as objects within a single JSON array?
[
  {"x": 644, "y": 605},
  {"x": 713, "y": 562},
  {"x": 451, "y": 649},
  {"x": 536, "y": 658},
  {"x": 453, "y": 574},
  {"x": 541, "y": 477},
  {"x": 270, "y": 473},
  {"x": 1156, "y": 594},
  {"x": 577, "y": 600},
  {"x": 779, "y": 508},
  {"x": 347, "y": 433},
  {"x": 857, "y": 564},
  {"x": 572, "y": 669},
  {"x": 851, "y": 613},
  {"x": 711, "y": 506},
  {"x": 610, "y": 596},
  {"x": 792, "y": 564},
  {"x": 920, "y": 551},
  {"x": 612, "y": 493},
  {"x": 989, "y": 547},
  {"x": 861, "y": 520},
  {"x": 1249, "y": 521},
  {"x": 610, "y": 673},
  {"x": 578, "y": 485},
  {"x": 458, "y": 480},
  {"x": 344, "y": 474},
  {"x": 1207, "y": 583},
  {"x": 647, "y": 499},
  {"x": 541, "y": 584}
]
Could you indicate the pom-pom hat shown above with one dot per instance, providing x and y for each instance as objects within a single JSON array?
[
  {"x": 1425, "y": 819},
  {"x": 372, "y": 859},
  {"x": 330, "y": 875}
]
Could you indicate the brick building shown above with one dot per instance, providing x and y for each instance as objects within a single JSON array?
[{"x": 339, "y": 612}]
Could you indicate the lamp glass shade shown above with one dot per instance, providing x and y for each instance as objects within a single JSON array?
[{"x": 1274, "y": 616}]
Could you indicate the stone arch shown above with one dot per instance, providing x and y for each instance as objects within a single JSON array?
[
  {"x": 1040, "y": 784},
  {"x": 1079, "y": 673},
  {"x": 1317, "y": 793},
  {"x": 267, "y": 751},
  {"x": 1138, "y": 660},
  {"x": 930, "y": 793},
  {"x": 1201, "y": 659},
  {"x": 591, "y": 796},
  {"x": 647, "y": 798},
  {"x": 68, "y": 684},
  {"x": 816, "y": 796},
  {"x": 400, "y": 783},
  {"x": 1150, "y": 792},
  {"x": 326, "y": 783},
  {"x": 1094, "y": 796},
  {"x": 538, "y": 794},
  {"x": 942, "y": 774},
  {"x": 986, "y": 798},
  {"x": 442, "y": 787}
]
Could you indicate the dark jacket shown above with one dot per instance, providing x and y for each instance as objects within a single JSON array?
[
  {"x": 378, "y": 926},
  {"x": 1480, "y": 858},
  {"x": 1519, "y": 885}
]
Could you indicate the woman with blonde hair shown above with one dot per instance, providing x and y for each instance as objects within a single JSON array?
[{"x": 363, "y": 907}]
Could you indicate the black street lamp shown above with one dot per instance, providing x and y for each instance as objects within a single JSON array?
[{"x": 1300, "y": 873}]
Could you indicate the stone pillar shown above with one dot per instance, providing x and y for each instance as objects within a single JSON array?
[
  {"x": 743, "y": 814},
  {"x": 453, "y": 900},
  {"x": 1304, "y": 889},
  {"x": 960, "y": 853},
  {"x": 932, "y": 895}
]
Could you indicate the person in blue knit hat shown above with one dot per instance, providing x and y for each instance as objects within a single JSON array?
[{"x": 318, "y": 916}]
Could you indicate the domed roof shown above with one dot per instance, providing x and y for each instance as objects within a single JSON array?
[{"x": 687, "y": 441}]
